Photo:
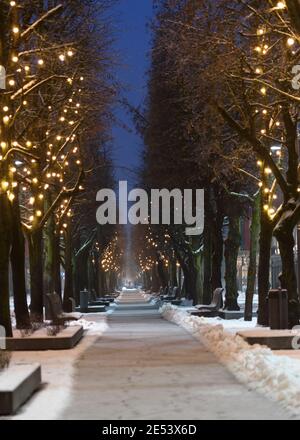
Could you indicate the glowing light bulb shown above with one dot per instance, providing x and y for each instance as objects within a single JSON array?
[
  {"x": 280, "y": 5},
  {"x": 16, "y": 30},
  {"x": 40, "y": 62},
  {"x": 263, "y": 91},
  {"x": 4, "y": 185},
  {"x": 290, "y": 42}
]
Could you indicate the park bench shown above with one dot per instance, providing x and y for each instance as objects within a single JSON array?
[
  {"x": 182, "y": 302},
  {"x": 172, "y": 295},
  {"x": 95, "y": 301},
  {"x": 212, "y": 309},
  {"x": 58, "y": 316}
]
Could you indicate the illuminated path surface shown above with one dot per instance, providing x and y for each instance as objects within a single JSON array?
[{"x": 144, "y": 367}]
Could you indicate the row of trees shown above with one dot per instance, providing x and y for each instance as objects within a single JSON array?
[
  {"x": 222, "y": 114},
  {"x": 55, "y": 117}
]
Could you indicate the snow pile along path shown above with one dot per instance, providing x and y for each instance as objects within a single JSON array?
[{"x": 256, "y": 366}]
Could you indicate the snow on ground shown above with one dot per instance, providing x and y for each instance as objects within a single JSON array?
[
  {"x": 275, "y": 375},
  {"x": 57, "y": 372}
]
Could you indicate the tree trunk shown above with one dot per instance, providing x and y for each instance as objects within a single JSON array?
[
  {"x": 36, "y": 275},
  {"x": 91, "y": 275},
  {"x": 56, "y": 266},
  {"x": 173, "y": 273},
  {"x": 5, "y": 244},
  {"x": 155, "y": 279},
  {"x": 49, "y": 257},
  {"x": 207, "y": 259},
  {"x": 193, "y": 279},
  {"x": 161, "y": 273},
  {"x": 217, "y": 254},
  {"x": 52, "y": 259},
  {"x": 252, "y": 269},
  {"x": 68, "y": 291},
  {"x": 263, "y": 278},
  {"x": 17, "y": 259},
  {"x": 232, "y": 245},
  {"x": 286, "y": 242}
]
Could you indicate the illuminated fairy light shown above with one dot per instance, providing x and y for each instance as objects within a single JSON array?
[
  {"x": 280, "y": 5},
  {"x": 260, "y": 31},
  {"x": 263, "y": 90},
  {"x": 291, "y": 42}
]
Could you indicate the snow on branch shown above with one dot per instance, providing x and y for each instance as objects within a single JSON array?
[{"x": 40, "y": 20}]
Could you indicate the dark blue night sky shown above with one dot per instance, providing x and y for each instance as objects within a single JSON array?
[{"x": 132, "y": 45}]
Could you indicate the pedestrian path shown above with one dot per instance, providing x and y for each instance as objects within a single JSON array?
[{"x": 146, "y": 368}]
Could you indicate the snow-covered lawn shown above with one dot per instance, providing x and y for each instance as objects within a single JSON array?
[
  {"x": 275, "y": 374},
  {"x": 57, "y": 372}
]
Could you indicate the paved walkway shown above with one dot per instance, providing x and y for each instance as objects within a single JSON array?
[{"x": 147, "y": 368}]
